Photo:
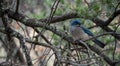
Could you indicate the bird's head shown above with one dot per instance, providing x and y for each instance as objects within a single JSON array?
[{"x": 76, "y": 22}]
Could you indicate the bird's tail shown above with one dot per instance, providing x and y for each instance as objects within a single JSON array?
[{"x": 101, "y": 44}]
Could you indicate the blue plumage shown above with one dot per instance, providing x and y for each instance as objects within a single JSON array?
[
  {"x": 87, "y": 31},
  {"x": 78, "y": 31},
  {"x": 75, "y": 22}
]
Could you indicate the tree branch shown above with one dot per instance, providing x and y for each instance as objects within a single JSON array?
[
  {"x": 35, "y": 23},
  {"x": 116, "y": 13},
  {"x": 61, "y": 17}
]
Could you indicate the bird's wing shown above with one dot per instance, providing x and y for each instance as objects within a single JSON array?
[{"x": 86, "y": 30}]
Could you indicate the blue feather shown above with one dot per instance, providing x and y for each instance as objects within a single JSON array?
[
  {"x": 87, "y": 31},
  {"x": 77, "y": 23}
]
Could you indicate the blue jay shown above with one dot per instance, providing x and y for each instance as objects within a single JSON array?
[{"x": 78, "y": 31}]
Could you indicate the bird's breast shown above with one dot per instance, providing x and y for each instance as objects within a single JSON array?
[{"x": 77, "y": 33}]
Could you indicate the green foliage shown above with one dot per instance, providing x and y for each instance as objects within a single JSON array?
[
  {"x": 59, "y": 11},
  {"x": 62, "y": 1},
  {"x": 37, "y": 16},
  {"x": 96, "y": 7},
  {"x": 93, "y": 10},
  {"x": 82, "y": 10},
  {"x": 49, "y": 2}
]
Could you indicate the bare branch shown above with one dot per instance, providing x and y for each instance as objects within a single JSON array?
[{"x": 32, "y": 22}]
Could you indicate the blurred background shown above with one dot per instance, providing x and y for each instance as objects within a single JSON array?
[{"x": 87, "y": 10}]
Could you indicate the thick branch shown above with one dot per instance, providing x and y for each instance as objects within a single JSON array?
[
  {"x": 107, "y": 29},
  {"x": 34, "y": 23},
  {"x": 61, "y": 17},
  {"x": 116, "y": 13}
]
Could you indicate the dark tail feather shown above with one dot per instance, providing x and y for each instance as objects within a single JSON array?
[{"x": 99, "y": 43}]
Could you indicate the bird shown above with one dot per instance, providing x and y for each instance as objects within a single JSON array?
[{"x": 80, "y": 32}]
